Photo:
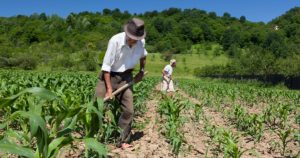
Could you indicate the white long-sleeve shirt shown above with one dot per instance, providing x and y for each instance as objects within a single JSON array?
[
  {"x": 169, "y": 70},
  {"x": 119, "y": 57}
]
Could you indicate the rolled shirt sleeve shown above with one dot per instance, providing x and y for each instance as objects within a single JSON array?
[
  {"x": 109, "y": 57},
  {"x": 145, "y": 51},
  {"x": 166, "y": 69}
]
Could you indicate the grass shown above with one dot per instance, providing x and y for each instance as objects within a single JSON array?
[
  {"x": 199, "y": 55},
  {"x": 186, "y": 63}
]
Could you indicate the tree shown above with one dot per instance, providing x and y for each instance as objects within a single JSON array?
[
  {"x": 242, "y": 19},
  {"x": 151, "y": 14},
  {"x": 43, "y": 16},
  {"x": 71, "y": 20},
  {"x": 275, "y": 43},
  {"x": 163, "y": 25},
  {"x": 227, "y": 18},
  {"x": 257, "y": 36},
  {"x": 212, "y": 15},
  {"x": 226, "y": 15},
  {"x": 197, "y": 35},
  {"x": 186, "y": 30},
  {"x": 116, "y": 13},
  {"x": 152, "y": 35},
  {"x": 231, "y": 37},
  {"x": 159, "y": 24},
  {"x": 207, "y": 32},
  {"x": 106, "y": 11},
  {"x": 171, "y": 12},
  {"x": 126, "y": 15}
]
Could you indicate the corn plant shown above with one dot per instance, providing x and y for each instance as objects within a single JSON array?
[
  {"x": 141, "y": 93},
  {"x": 214, "y": 133},
  {"x": 252, "y": 124},
  {"x": 47, "y": 144},
  {"x": 110, "y": 128},
  {"x": 231, "y": 149},
  {"x": 276, "y": 116},
  {"x": 284, "y": 135},
  {"x": 171, "y": 107},
  {"x": 197, "y": 112},
  {"x": 37, "y": 123},
  {"x": 226, "y": 141}
]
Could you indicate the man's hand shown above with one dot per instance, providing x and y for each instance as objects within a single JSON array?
[
  {"x": 166, "y": 78},
  {"x": 108, "y": 93},
  {"x": 138, "y": 77}
]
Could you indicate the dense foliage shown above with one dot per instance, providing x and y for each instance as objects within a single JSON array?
[
  {"x": 273, "y": 53},
  {"x": 75, "y": 42}
]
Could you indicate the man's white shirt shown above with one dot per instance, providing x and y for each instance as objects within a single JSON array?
[
  {"x": 119, "y": 57},
  {"x": 168, "y": 69}
]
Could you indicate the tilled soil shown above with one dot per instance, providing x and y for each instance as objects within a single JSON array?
[
  {"x": 266, "y": 148},
  {"x": 151, "y": 143},
  {"x": 154, "y": 145},
  {"x": 197, "y": 143}
]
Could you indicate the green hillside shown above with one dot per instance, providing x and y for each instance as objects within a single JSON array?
[
  {"x": 50, "y": 42},
  {"x": 186, "y": 63},
  {"x": 198, "y": 56}
]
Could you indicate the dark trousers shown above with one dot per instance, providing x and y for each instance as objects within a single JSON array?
[{"x": 125, "y": 99}]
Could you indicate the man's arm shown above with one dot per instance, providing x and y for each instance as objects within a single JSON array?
[
  {"x": 106, "y": 66},
  {"x": 138, "y": 77},
  {"x": 142, "y": 63},
  {"x": 165, "y": 73},
  {"x": 108, "y": 84}
]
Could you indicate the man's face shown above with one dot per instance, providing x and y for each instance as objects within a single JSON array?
[
  {"x": 173, "y": 64},
  {"x": 131, "y": 42}
]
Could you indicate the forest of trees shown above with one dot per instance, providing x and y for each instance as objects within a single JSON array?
[{"x": 41, "y": 41}]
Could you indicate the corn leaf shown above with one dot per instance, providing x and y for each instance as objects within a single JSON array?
[
  {"x": 93, "y": 144},
  {"x": 15, "y": 149}
]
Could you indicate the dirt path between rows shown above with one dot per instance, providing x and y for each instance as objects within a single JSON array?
[{"x": 151, "y": 143}]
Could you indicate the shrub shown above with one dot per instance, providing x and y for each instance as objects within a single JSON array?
[
  {"x": 24, "y": 62},
  {"x": 4, "y": 62}
]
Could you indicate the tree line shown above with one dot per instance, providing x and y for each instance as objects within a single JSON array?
[{"x": 75, "y": 42}]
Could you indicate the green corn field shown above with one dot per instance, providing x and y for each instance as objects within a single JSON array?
[{"x": 52, "y": 114}]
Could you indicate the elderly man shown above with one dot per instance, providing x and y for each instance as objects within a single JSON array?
[
  {"x": 167, "y": 83},
  {"x": 124, "y": 51}
]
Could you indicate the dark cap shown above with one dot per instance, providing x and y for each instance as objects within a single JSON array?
[{"x": 135, "y": 29}]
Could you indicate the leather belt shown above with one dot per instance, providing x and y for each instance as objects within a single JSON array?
[{"x": 128, "y": 71}]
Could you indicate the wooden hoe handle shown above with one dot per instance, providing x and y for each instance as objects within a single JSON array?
[{"x": 122, "y": 88}]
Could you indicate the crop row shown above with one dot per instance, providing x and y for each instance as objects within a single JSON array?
[{"x": 40, "y": 113}]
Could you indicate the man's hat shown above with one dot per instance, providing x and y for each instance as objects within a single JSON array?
[
  {"x": 172, "y": 61},
  {"x": 134, "y": 29}
]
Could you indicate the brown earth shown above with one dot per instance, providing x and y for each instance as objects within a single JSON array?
[
  {"x": 266, "y": 148},
  {"x": 196, "y": 142},
  {"x": 149, "y": 143}
]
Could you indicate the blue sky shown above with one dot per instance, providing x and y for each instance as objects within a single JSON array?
[{"x": 254, "y": 10}]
